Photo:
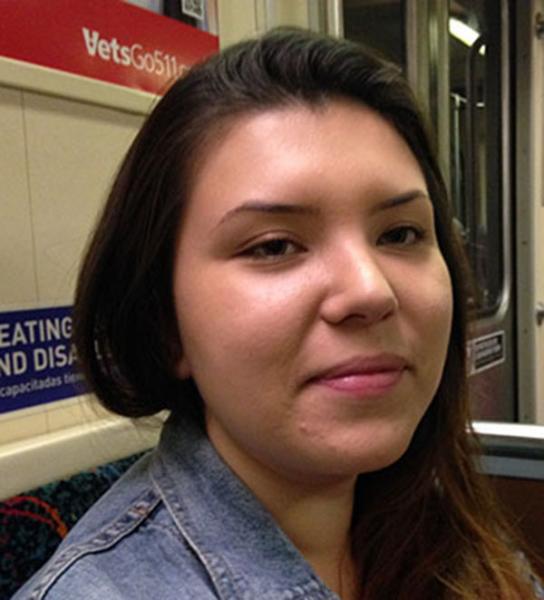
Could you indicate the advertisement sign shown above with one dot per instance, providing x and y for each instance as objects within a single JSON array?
[
  {"x": 37, "y": 358},
  {"x": 108, "y": 40}
]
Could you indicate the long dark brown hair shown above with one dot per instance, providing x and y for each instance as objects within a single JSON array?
[{"x": 425, "y": 527}]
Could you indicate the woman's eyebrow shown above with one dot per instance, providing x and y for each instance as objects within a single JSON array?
[
  {"x": 401, "y": 199},
  {"x": 262, "y": 206}
]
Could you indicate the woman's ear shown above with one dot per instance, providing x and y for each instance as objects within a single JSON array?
[
  {"x": 179, "y": 362},
  {"x": 183, "y": 368}
]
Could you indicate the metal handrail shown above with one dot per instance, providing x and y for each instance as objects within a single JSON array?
[
  {"x": 514, "y": 440},
  {"x": 471, "y": 150}
]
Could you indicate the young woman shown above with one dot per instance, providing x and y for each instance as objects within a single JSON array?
[{"x": 276, "y": 266}]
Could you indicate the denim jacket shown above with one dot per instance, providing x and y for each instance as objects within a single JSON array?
[{"x": 178, "y": 525}]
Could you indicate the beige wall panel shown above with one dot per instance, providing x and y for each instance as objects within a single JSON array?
[
  {"x": 47, "y": 418},
  {"x": 241, "y": 19},
  {"x": 22, "y": 424},
  {"x": 44, "y": 458},
  {"x": 74, "y": 150},
  {"x": 17, "y": 279},
  {"x": 80, "y": 410},
  {"x": 289, "y": 12},
  {"x": 237, "y": 20}
]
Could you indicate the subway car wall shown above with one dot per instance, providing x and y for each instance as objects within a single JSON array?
[{"x": 64, "y": 135}]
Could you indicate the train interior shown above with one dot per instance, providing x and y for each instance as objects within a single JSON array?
[{"x": 477, "y": 67}]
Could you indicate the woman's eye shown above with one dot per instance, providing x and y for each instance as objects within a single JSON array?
[
  {"x": 402, "y": 236},
  {"x": 271, "y": 249}
]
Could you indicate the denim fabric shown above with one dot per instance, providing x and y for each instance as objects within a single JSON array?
[{"x": 178, "y": 525}]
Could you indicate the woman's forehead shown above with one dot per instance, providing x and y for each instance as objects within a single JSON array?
[{"x": 290, "y": 144}]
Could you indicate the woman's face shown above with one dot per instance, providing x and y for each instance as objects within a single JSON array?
[{"x": 314, "y": 305}]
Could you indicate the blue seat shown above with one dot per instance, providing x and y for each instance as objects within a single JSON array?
[{"x": 33, "y": 524}]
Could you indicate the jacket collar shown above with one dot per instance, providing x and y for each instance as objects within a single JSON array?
[{"x": 236, "y": 539}]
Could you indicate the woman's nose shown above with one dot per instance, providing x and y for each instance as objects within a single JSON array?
[{"x": 358, "y": 287}]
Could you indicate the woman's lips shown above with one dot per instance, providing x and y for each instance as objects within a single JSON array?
[
  {"x": 369, "y": 376},
  {"x": 366, "y": 384}
]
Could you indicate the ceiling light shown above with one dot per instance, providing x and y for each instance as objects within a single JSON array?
[{"x": 464, "y": 33}]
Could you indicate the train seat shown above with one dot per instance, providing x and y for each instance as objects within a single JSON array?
[{"x": 33, "y": 524}]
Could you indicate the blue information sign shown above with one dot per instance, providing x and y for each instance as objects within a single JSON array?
[{"x": 37, "y": 358}]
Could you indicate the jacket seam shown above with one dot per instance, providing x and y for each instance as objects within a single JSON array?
[
  {"x": 104, "y": 539},
  {"x": 223, "y": 580},
  {"x": 219, "y": 575}
]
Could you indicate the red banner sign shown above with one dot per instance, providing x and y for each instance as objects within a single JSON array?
[{"x": 103, "y": 39}]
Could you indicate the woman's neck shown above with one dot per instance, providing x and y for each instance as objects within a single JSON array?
[
  {"x": 315, "y": 516},
  {"x": 318, "y": 522}
]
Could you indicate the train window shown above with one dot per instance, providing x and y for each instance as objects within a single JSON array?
[
  {"x": 475, "y": 120},
  {"x": 475, "y": 125},
  {"x": 378, "y": 24}
]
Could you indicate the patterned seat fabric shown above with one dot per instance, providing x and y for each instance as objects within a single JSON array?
[{"x": 33, "y": 524}]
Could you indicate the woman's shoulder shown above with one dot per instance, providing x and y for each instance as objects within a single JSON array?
[{"x": 126, "y": 546}]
